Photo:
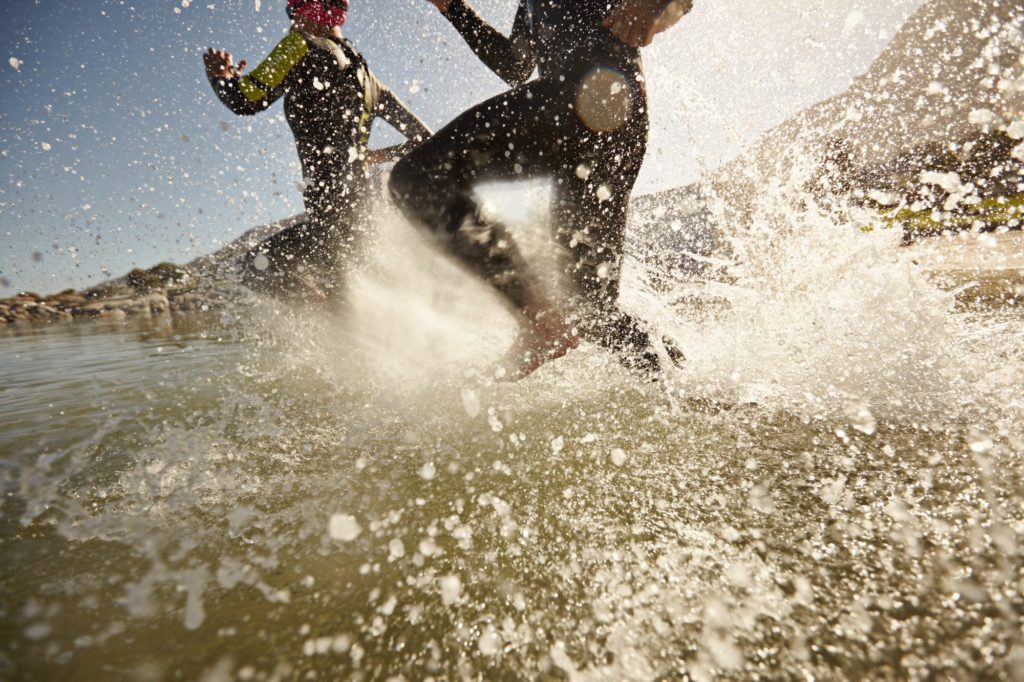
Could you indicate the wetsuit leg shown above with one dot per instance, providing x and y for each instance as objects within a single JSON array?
[
  {"x": 269, "y": 266},
  {"x": 511, "y": 136},
  {"x": 335, "y": 206},
  {"x": 534, "y": 130},
  {"x": 591, "y": 201},
  {"x": 316, "y": 250}
]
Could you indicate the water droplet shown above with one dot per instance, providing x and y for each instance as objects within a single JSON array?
[
  {"x": 979, "y": 442},
  {"x": 344, "y": 527},
  {"x": 489, "y": 643},
  {"x": 428, "y": 471},
  {"x": 860, "y": 416},
  {"x": 451, "y": 589},
  {"x": 470, "y": 402}
]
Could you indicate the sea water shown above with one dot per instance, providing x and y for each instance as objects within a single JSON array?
[{"x": 829, "y": 488}]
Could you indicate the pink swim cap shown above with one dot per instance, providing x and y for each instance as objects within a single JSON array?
[{"x": 325, "y": 12}]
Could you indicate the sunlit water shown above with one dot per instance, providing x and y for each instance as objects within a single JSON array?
[{"x": 830, "y": 489}]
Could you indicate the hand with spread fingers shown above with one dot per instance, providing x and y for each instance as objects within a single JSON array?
[
  {"x": 385, "y": 154},
  {"x": 219, "y": 64},
  {"x": 636, "y": 22}
]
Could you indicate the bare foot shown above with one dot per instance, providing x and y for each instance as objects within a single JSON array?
[
  {"x": 547, "y": 337},
  {"x": 309, "y": 291}
]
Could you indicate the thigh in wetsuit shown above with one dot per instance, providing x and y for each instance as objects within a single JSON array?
[{"x": 583, "y": 123}]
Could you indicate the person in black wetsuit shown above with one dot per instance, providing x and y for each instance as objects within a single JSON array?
[
  {"x": 330, "y": 101},
  {"x": 583, "y": 122}
]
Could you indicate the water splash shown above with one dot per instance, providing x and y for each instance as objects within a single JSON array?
[{"x": 299, "y": 493}]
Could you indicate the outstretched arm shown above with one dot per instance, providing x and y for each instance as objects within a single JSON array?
[
  {"x": 636, "y": 22},
  {"x": 511, "y": 58},
  {"x": 401, "y": 118},
  {"x": 247, "y": 95}
]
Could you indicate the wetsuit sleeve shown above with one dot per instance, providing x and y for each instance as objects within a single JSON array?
[
  {"x": 510, "y": 58},
  {"x": 251, "y": 94},
  {"x": 395, "y": 112},
  {"x": 399, "y": 116}
]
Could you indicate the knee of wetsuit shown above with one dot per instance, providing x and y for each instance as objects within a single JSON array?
[
  {"x": 403, "y": 182},
  {"x": 254, "y": 267},
  {"x": 426, "y": 202}
]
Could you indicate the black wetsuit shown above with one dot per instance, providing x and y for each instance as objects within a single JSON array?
[
  {"x": 583, "y": 122},
  {"x": 330, "y": 101}
]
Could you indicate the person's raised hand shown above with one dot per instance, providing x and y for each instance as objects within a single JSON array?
[
  {"x": 442, "y": 5},
  {"x": 375, "y": 156},
  {"x": 631, "y": 21},
  {"x": 219, "y": 64},
  {"x": 636, "y": 22},
  {"x": 385, "y": 154}
]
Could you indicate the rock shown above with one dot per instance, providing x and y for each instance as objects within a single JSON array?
[
  {"x": 93, "y": 308},
  {"x": 136, "y": 307},
  {"x": 67, "y": 300},
  {"x": 85, "y": 311},
  {"x": 124, "y": 303},
  {"x": 113, "y": 314},
  {"x": 185, "y": 300},
  {"x": 158, "y": 304}
]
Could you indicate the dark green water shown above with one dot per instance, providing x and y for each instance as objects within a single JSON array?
[{"x": 169, "y": 489}]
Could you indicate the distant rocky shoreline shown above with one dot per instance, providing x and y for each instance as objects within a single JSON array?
[
  {"x": 206, "y": 283},
  {"x": 71, "y": 305},
  {"x": 161, "y": 290}
]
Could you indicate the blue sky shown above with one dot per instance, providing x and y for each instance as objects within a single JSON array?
[{"x": 114, "y": 153}]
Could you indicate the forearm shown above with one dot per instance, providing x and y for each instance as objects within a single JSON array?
[
  {"x": 252, "y": 93},
  {"x": 395, "y": 152},
  {"x": 508, "y": 57},
  {"x": 402, "y": 119},
  {"x": 230, "y": 92}
]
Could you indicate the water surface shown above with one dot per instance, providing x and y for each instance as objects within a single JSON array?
[{"x": 220, "y": 496}]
